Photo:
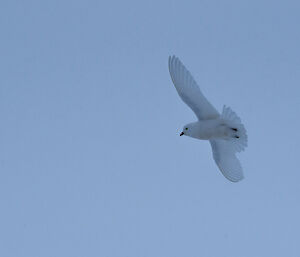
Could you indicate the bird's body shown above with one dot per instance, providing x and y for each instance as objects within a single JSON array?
[
  {"x": 210, "y": 129},
  {"x": 224, "y": 131}
]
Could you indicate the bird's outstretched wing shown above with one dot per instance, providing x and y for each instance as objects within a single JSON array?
[
  {"x": 226, "y": 160},
  {"x": 189, "y": 91}
]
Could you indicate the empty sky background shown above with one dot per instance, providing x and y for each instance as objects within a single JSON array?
[{"x": 91, "y": 162}]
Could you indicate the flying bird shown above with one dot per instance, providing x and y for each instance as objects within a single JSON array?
[{"x": 225, "y": 132}]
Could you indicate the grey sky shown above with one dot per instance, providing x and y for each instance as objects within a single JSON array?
[{"x": 91, "y": 159}]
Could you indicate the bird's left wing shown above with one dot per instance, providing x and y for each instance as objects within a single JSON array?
[
  {"x": 224, "y": 156},
  {"x": 189, "y": 91}
]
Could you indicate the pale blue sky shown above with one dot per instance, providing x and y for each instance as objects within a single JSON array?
[{"x": 90, "y": 155}]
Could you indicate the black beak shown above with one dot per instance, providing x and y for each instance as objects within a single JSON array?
[{"x": 181, "y": 134}]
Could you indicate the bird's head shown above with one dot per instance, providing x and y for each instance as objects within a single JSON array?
[
  {"x": 188, "y": 130},
  {"x": 185, "y": 131}
]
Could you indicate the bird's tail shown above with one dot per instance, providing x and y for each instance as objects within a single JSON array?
[{"x": 239, "y": 142}]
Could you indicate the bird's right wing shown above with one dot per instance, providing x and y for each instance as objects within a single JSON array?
[
  {"x": 189, "y": 91},
  {"x": 226, "y": 160}
]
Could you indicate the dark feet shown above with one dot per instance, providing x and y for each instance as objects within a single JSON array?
[
  {"x": 237, "y": 137},
  {"x": 234, "y": 129}
]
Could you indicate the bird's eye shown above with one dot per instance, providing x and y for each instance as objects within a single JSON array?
[{"x": 186, "y": 128}]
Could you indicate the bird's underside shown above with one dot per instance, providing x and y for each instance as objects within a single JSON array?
[{"x": 213, "y": 129}]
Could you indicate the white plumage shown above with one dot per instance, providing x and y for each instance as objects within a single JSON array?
[{"x": 225, "y": 132}]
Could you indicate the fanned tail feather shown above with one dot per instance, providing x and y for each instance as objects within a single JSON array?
[{"x": 240, "y": 143}]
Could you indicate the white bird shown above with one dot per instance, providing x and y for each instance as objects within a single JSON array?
[{"x": 225, "y": 131}]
